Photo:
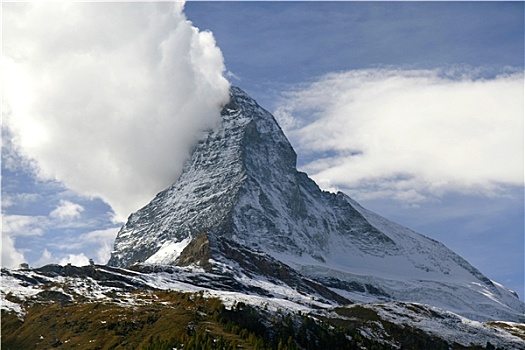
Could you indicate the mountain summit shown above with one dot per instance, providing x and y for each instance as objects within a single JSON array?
[{"x": 241, "y": 210}]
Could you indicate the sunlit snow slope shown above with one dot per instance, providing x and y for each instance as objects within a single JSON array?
[{"x": 240, "y": 202}]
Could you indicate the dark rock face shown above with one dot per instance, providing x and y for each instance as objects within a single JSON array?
[
  {"x": 55, "y": 296},
  {"x": 196, "y": 252}
]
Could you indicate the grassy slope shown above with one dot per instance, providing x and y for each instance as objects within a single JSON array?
[{"x": 166, "y": 320}]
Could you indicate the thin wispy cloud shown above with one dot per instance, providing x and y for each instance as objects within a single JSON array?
[
  {"x": 72, "y": 248},
  {"x": 109, "y": 99},
  {"x": 67, "y": 210},
  {"x": 24, "y": 225},
  {"x": 408, "y": 134},
  {"x": 9, "y": 200},
  {"x": 65, "y": 216}
]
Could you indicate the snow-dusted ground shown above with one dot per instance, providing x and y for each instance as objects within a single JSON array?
[
  {"x": 23, "y": 285},
  {"x": 447, "y": 325}
]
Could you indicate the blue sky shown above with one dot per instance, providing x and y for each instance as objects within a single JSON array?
[
  {"x": 271, "y": 44},
  {"x": 460, "y": 66}
]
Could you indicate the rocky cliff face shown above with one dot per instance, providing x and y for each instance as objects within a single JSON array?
[{"x": 241, "y": 207}]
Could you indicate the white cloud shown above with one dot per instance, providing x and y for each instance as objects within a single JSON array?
[
  {"x": 45, "y": 259},
  {"x": 66, "y": 210},
  {"x": 78, "y": 249},
  {"x": 37, "y": 225},
  {"x": 75, "y": 259},
  {"x": 24, "y": 225},
  {"x": 409, "y": 133},
  {"x": 100, "y": 243},
  {"x": 19, "y": 230},
  {"x": 8, "y": 200},
  {"x": 109, "y": 98},
  {"x": 11, "y": 257}
]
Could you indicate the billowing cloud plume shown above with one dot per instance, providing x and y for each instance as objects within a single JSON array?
[
  {"x": 109, "y": 98},
  {"x": 407, "y": 134}
]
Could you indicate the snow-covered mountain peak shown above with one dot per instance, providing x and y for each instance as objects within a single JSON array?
[{"x": 241, "y": 207}]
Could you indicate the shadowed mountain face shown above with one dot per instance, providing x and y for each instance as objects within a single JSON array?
[{"x": 241, "y": 209}]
